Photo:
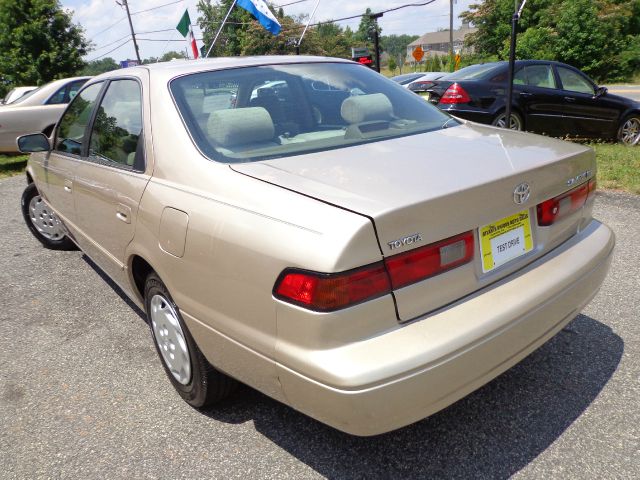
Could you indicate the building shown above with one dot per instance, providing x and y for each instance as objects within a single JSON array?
[{"x": 437, "y": 43}]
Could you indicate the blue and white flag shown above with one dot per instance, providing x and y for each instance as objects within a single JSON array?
[{"x": 259, "y": 9}]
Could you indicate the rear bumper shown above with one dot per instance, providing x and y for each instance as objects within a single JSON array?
[
  {"x": 468, "y": 113},
  {"x": 394, "y": 379}
]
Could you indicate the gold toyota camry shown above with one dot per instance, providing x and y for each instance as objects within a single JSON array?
[{"x": 307, "y": 227}]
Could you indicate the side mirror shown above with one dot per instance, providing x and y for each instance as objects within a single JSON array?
[
  {"x": 600, "y": 91},
  {"x": 35, "y": 142}
]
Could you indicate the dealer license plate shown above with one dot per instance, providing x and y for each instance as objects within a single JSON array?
[
  {"x": 504, "y": 240},
  {"x": 425, "y": 95}
]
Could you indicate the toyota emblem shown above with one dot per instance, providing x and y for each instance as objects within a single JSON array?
[{"x": 521, "y": 193}]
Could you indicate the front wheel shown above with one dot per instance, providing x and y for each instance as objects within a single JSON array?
[
  {"x": 197, "y": 382},
  {"x": 43, "y": 223},
  {"x": 514, "y": 124},
  {"x": 629, "y": 131}
]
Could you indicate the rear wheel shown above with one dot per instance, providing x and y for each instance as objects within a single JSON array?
[
  {"x": 197, "y": 382},
  {"x": 515, "y": 124},
  {"x": 43, "y": 223},
  {"x": 629, "y": 131}
]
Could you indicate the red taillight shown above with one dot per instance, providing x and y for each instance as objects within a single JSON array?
[
  {"x": 416, "y": 265},
  {"x": 455, "y": 94},
  {"x": 552, "y": 210},
  {"x": 328, "y": 292}
]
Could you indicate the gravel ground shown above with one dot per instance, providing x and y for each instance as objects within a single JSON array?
[{"x": 83, "y": 395}]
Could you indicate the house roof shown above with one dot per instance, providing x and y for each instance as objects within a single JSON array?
[{"x": 443, "y": 36}]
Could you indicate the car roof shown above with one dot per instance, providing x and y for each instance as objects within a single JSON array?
[{"x": 181, "y": 67}]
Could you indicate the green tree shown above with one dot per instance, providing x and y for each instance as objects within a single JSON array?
[
  {"x": 396, "y": 47},
  {"x": 598, "y": 36},
  {"x": 210, "y": 19},
  {"x": 96, "y": 67},
  {"x": 39, "y": 43},
  {"x": 367, "y": 29}
]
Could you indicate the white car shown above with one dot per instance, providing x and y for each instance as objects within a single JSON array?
[
  {"x": 15, "y": 93},
  {"x": 37, "y": 111}
]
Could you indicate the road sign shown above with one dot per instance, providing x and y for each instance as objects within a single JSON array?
[{"x": 418, "y": 53}]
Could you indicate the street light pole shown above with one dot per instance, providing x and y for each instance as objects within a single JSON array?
[
  {"x": 451, "y": 67},
  {"x": 376, "y": 38}
]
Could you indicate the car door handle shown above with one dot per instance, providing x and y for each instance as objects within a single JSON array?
[
  {"x": 570, "y": 99},
  {"x": 68, "y": 186},
  {"x": 526, "y": 94},
  {"x": 123, "y": 213}
]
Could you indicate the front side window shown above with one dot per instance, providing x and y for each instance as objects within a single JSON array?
[
  {"x": 75, "y": 120},
  {"x": 117, "y": 128},
  {"x": 256, "y": 113},
  {"x": 574, "y": 82}
]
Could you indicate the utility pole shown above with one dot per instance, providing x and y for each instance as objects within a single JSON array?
[
  {"x": 451, "y": 35},
  {"x": 133, "y": 34}
]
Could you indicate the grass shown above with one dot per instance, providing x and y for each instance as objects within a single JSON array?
[
  {"x": 11, "y": 165},
  {"x": 618, "y": 167}
]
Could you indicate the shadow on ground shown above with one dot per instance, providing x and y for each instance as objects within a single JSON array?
[{"x": 492, "y": 433}]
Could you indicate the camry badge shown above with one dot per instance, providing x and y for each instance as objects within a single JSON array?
[{"x": 521, "y": 193}]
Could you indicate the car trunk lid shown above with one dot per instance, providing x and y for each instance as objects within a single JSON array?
[{"x": 439, "y": 185}]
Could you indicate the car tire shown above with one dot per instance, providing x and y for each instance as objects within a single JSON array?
[
  {"x": 629, "y": 130},
  {"x": 516, "y": 121},
  {"x": 43, "y": 223},
  {"x": 197, "y": 382}
]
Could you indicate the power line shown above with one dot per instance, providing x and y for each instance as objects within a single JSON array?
[
  {"x": 109, "y": 27},
  {"x": 155, "y": 8},
  {"x": 110, "y": 51},
  {"x": 287, "y": 4}
]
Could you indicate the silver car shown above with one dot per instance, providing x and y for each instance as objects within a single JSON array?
[
  {"x": 36, "y": 111},
  {"x": 316, "y": 231}
]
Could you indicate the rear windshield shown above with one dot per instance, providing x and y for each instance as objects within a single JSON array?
[
  {"x": 256, "y": 113},
  {"x": 472, "y": 72}
]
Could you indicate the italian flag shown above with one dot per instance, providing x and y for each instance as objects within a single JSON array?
[{"x": 184, "y": 27}]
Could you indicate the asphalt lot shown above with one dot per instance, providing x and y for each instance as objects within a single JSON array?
[{"x": 83, "y": 395}]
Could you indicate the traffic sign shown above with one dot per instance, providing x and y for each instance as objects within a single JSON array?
[{"x": 418, "y": 53}]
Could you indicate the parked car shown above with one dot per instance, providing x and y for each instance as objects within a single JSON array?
[
  {"x": 16, "y": 93},
  {"x": 406, "y": 78},
  {"x": 37, "y": 111},
  {"x": 345, "y": 247},
  {"x": 548, "y": 97},
  {"x": 421, "y": 84}
]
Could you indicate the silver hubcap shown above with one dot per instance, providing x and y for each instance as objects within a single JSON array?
[
  {"x": 630, "y": 131},
  {"x": 514, "y": 123},
  {"x": 170, "y": 339},
  {"x": 45, "y": 221}
]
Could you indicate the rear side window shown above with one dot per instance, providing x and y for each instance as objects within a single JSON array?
[
  {"x": 255, "y": 113},
  {"x": 117, "y": 129},
  {"x": 75, "y": 120}
]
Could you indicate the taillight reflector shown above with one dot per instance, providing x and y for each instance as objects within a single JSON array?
[
  {"x": 327, "y": 292},
  {"x": 416, "y": 265},
  {"x": 455, "y": 94},
  {"x": 554, "y": 209}
]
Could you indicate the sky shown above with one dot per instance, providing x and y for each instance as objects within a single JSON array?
[{"x": 105, "y": 23}]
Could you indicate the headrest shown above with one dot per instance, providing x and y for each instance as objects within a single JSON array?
[
  {"x": 239, "y": 126},
  {"x": 365, "y": 108}
]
